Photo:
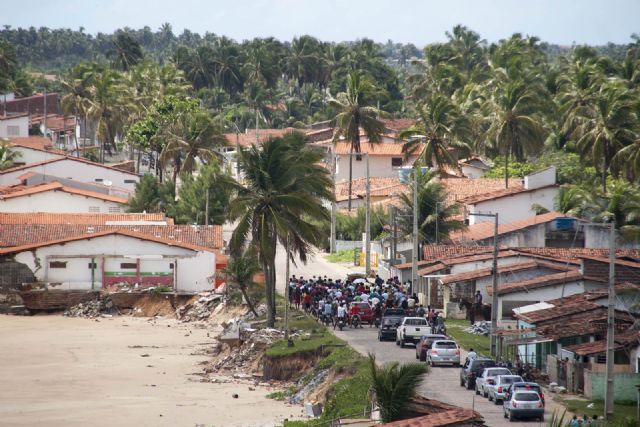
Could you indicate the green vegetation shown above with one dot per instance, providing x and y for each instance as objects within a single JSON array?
[
  {"x": 579, "y": 407},
  {"x": 341, "y": 256},
  {"x": 162, "y": 289},
  {"x": 480, "y": 343}
]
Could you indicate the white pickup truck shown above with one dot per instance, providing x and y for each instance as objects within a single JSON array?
[{"x": 411, "y": 330}]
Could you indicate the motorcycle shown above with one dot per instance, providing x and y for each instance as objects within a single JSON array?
[
  {"x": 326, "y": 319},
  {"x": 355, "y": 321},
  {"x": 341, "y": 323}
]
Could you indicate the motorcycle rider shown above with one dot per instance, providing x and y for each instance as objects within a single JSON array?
[{"x": 342, "y": 315}]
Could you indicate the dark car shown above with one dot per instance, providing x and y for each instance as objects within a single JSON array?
[
  {"x": 425, "y": 344},
  {"x": 526, "y": 386},
  {"x": 391, "y": 319},
  {"x": 473, "y": 368}
]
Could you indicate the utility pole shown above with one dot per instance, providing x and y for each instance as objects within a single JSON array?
[
  {"x": 334, "y": 207},
  {"x": 608, "y": 402},
  {"x": 414, "y": 252},
  {"x": 437, "y": 230},
  {"x": 206, "y": 208},
  {"x": 45, "y": 114},
  {"x": 392, "y": 212},
  {"x": 257, "y": 138},
  {"x": 237, "y": 152},
  {"x": 367, "y": 226},
  {"x": 286, "y": 297}
]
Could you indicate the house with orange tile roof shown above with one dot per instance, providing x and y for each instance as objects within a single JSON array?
[
  {"x": 15, "y": 125},
  {"x": 34, "y": 149},
  {"x": 55, "y": 197},
  {"x": 117, "y": 257}
]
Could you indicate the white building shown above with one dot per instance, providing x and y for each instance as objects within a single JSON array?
[
  {"x": 115, "y": 257},
  {"x": 385, "y": 159},
  {"x": 57, "y": 198},
  {"x": 474, "y": 167},
  {"x": 34, "y": 149},
  {"x": 76, "y": 169},
  {"x": 14, "y": 126}
]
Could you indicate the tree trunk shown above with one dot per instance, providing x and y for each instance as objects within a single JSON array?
[
  {"x": 270, "y": 283},
  {"x": 243, "y": 289},
  {"x": 506, "y": 169},
  {"x": 350, "y": 178},
  {"x": 605, "y": 166}
]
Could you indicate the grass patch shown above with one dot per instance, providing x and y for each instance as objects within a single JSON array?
[
  {"x": 341, "y": 256},
  {"x": 480, "y": 343},
  {"x": 278, "y": 395},
  {"x": 579, "y": 407}
]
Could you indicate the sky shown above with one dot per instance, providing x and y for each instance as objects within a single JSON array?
[{"x": 421, "y": 22}]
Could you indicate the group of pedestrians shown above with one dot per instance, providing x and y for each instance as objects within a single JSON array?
[{"x": 585, "y": 421}]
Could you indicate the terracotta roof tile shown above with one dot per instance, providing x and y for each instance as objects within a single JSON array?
[
  {"x": 537, "y": 282},
  {"x": 450, "y": 417},
  {"x": 379, "y": 149},
  {"x": 484, "y": 230},
  {"x": 380, "y": 186},
  {"x": 398, "y": 124},
  {"x": 39, "y": 143},
  {"x": 546, "y": 314},
  {"x": 16, "y": 235},
  {"x": 485, "y": 272},
  {"x": 461, "y": 188},
  {"x": 248, "y": 138},
  {"x": 56, "y": 122},
  {"x": 582, "y": 320},
  {"x": 626, "y": 339},
  {"x": 68, "y": 158},
  {"x": 499, "y": 194},
  {"x": 56, "y": 186},
  {"x": 78, "y": 218}
]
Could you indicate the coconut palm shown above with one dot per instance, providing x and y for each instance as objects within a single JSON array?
[
  {"x": 285, "y": 187},
  {"x": 394, "y": 385},
  {"x": 432, "y": 209},
  {"x": 7, "y": 156},
  {"x": 439, "y": 129},
  {"x": 240, "y": 271},
  {"x": 126, "y": 52},
  {"x": 355, "y": 115}
]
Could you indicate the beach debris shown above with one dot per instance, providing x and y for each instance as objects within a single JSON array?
[
  {"x": 199, "y": 309},
  {"x": 479, "y": 328},
  {"x": 92, "y": 309},
  {"x": 244, "y": 355},
  {"x": 235, "y": 395}
]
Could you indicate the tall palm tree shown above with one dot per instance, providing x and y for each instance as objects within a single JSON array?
[
  {"x": 356, "y": 115},
  {"x": 516, "y": 130},
  {"x": 7, "y": 156},
  {"x": 193, "y": 137},
  {"x": 394, "y": 386},
  {"x": 605, "y": 126},
  {"x": 434, "y": 213},
  {"x": 285, "y": 187},
  {"x": 240, "y": 271},
  {"x": 126, "y": 52},
  {"x": 440, "y": 128}
]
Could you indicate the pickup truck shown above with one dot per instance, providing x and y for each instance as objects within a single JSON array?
[{"x": 411, "y": 330}]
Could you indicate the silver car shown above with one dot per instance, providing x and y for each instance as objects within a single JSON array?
[
  {"x": 498, "y": 391},
  {"x": 488, "y": 378},
  {"x": 444, "y": 351},
  {"x": 524, "y": 404}
]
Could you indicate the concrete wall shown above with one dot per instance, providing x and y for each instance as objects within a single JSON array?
[
  {"x": 19, "y": 124},
  {"x": 515, "y": 207},
  {"x": 506, "y": 302},
  {"x": 378, "y": 166},
  {"x": 59, "y": 202},
  {"x": 540, "y": 179},
  {"x": 194, "y": 268},
  {"x": 29, "y": 155},
  {"x": 598, "y": 237},
  {"x": 624, "y": 386},
  {"x": 531, "y": 237},
  {"x": 79, "y": 171},
  {"x": 471, "y": 172}
]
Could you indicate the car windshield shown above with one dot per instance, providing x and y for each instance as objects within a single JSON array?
[
  {"x": 432, "y": 337},
  {"x": 362, "y": 305},
  {"x": 391, "y": 312},
  {"x": 526, "y": 397},
  {"x": 445, "y": 344},
  {"x": 534, "y": 387},
  {"x": 479, "y": 365},
  {"x": 415, "y": 322},
  {"x": 389, "y": 321},
  {"x": 509, "y": 380},
  {"x": 496, "y": 372}
]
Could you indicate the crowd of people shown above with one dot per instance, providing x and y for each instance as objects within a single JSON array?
[{"x": 324, "y": 297}]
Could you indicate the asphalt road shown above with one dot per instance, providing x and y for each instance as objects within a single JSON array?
[{"x": 442, "y": 383}]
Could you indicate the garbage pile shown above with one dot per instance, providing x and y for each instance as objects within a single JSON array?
[
  {"x": 201, "y": 309},
  {"x": 479, "y": 328},
  {"x": 245, "y": 356},
  {"x": 92, "y": 309}
]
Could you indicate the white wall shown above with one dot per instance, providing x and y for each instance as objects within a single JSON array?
[
  {"x": 29, "y": 155},
  {"x": 540, "y": 179},
  {"x": 471, "y": 172},
  {"x": 514, "y": 207},
  {"x": 194, "y": 267},
  {"x": 79, "y": 171},
  {"x": 542, "y": 294},
  {"x": 379, "y": 166},
  {"x": 58, "y": 202},
  {"x": 20, "y": 127}
]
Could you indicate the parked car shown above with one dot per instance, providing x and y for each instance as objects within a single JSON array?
[
  {"x": 444, "y": 351},
  {"x": 425, "y": 344},
  {"x": 388, "y": 328},
  {"x": 363, "y": 310},
  {"x": 411, "y": 329},
  {"x": 472, "y": 369},
  {"x": 524, "y": 404},
  {"x": 488, "y": 378},
  {"x": 526, "y": 386},
  {"x": 497, "y": 391}
]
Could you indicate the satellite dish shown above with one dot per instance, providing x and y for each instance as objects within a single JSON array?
[{"x": 107, "y": 183}]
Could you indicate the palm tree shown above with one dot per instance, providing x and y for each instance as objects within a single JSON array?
[
  {"x": 439, "y": 128},
  {"x": 394, "y": 386},
  {"x": 515, "y": 129},
  {"x": 285, "y": 187},
  {"x": 355, "y": 115},
  {"x": 240, "y": 271},
  {"x": 605, "y": 127},
  {"x": 7, "y": 156},
  {"x": 126, "y": 52},
  {"x": 433, "y": 211},
  {"x": 193, "y": 136}
]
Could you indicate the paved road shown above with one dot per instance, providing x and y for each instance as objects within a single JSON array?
[{"x": 442, "y": 383}]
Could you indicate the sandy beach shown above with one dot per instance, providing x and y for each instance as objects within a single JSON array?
[{"x": 120, "y": 371}]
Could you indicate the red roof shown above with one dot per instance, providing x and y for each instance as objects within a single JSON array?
[
  {"x": 499, "y": 194},
  {"x": 378, "y": 149},
  {"x": 248, "y": 138},
  {"x": 58, "y": 159},
  {"x": 537, "y": 282},
  {"x": 626, "y": 339},
  {"x": 78, "y": 218},
  {"x": 56, "y": 186},
  {"x": 451, "y": 417},
  {"x": 484, "y": 230},
  {"x": 459, "y": 189},
  {"x": 379, "y": 186},
  {"x": 39, "y": 143},
  {"x": 485, "y": 272}
]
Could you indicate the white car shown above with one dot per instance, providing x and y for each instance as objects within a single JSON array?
[
  {"x": 488, "y": 378},
  {"x": 498, "y": 391},
  {"x": 411, "y": 330}
]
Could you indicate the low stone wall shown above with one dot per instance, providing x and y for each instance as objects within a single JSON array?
[
  {"x": 55, "y": 300},
  {"x": 624, "y": 386}
]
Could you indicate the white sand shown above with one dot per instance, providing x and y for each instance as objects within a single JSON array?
[{"x": 57, "y": 371}]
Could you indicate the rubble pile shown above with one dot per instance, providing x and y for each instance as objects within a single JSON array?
[
  {"x": 479, "y": 328},
  {"x": 200, "y": 309},
  {"x": 92, "y": 309},
  {"x": 244, "y": 357}
]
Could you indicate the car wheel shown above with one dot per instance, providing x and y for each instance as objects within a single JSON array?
[
  {"x": 511, "y": 417},
  {"x": 496, "y": 401},
  {"x": 477, "y": 391},
  {"x": 485, "y": 393},
  {"x": 489, "y": 397},
  {"x": 379, "y": 338},
  {"x": 468, "y": 385},
  {"x": 423, "y": 358},
  {"x": 504, "y": 414},
  {"x": 402, "y": 343}
]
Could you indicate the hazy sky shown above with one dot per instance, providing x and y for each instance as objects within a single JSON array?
[{"x": 419, "y": 22}]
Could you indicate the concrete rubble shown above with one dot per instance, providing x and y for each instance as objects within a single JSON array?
[
  {"x": 479, "y": 328},
  {"x": 201, "y": 309},
  {"x": 242, "y": 358},
  {"x": 92, "y": 309}
]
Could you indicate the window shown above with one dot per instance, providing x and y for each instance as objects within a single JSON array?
[
  {"x": 98, "y": 180},
  {"x": 114, "y": 209},
  {"x": 128, "y": 265},
  {"x": 13, "y": 130},
  {"x": 94, "y": 209},
  {"x": 171, "y": 266},
  {"x": 130, "y": 181},
  {"x": 93, "y": 265},
  {"x": 57, "y": 264},
  {"x": 396, "y": 161}
]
